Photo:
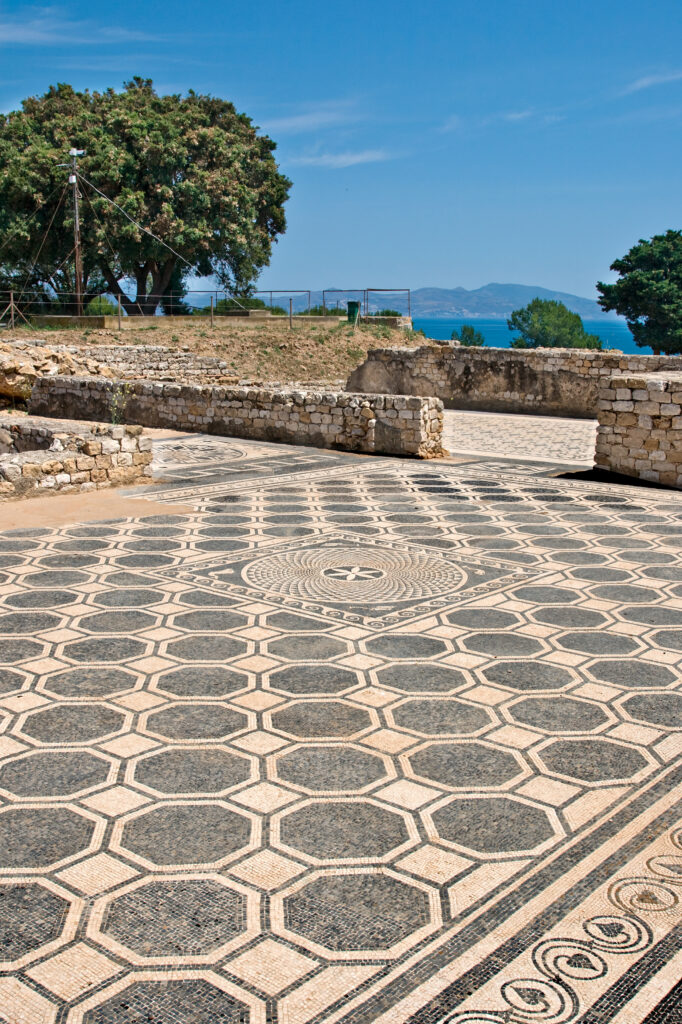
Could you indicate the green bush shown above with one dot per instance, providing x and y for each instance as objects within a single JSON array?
[
  {"x": 323, "y": 311},
  {"x": 99, "y": 306},
  {"x": 230, "y": 305},
  {"x": 468, "y": 336}
]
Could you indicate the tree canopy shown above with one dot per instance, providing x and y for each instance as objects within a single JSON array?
[
  {"x": 649, "y": 292},
  {"x": 546, "y": 323},
  {"x": 468, "y": 336},
  {"x": 190, "y": 169}
]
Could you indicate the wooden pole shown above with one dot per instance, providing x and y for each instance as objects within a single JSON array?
[
  {"x": 11, "y": 310},
  {"x": 291, "y": 314},
  {"x": 211, "y": 311},
  {"x": 118, "y": 312},
  {"x": 78, "y": 265}
]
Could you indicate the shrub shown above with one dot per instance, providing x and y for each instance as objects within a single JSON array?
[
  {"x": 468, "y": 336},
  {"x": 99, "y": 306}
]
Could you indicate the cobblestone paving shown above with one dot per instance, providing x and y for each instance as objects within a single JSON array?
[
  {"x": 540, "y": 438},
  {"x": 359, "y": 740}
]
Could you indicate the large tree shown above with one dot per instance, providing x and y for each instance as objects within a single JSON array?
[
  {"x": 545, "y": 323},
  {"x": 649, "y": 292},
  {"x": 189, "y": 169}
]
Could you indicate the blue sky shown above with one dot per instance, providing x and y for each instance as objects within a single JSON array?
[{"x": 445, "y": 143}]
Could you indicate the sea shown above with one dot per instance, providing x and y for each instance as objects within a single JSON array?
[{"x": 613, "y": 333}]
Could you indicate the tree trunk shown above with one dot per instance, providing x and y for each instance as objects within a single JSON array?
[{"x": 145, "y": 302}]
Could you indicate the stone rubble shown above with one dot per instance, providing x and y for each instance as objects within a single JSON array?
[{"x": 21, "y": 364}]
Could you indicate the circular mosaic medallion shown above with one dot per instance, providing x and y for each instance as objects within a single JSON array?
[
  {"x": 184, "y": 453},
  {"x": 342, "y": 574}
]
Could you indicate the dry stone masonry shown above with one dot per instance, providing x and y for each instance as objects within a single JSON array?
[
  {"x": 554, "y": 382},
  {"x": 388, "y": 424},
  {"x": 39, "y": 457},
  {"x": 640, "y": 427},
  {"x": 21, "y": 364},
  {"x": 155, "y": 362}
]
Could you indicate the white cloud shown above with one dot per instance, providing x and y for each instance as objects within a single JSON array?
[
  {"x": 347, "y": 158},
  {"x": 651, "y": 80},
  {"x": 49, "y": 26},
  {"x": 523, "y": 117},
  {"x": 313, "y": 119},
  {"x": 517, "y": 115},
  {"x": 451, "y": 124}
]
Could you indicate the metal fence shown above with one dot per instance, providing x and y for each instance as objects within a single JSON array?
[{"x": 23, "y": 305}]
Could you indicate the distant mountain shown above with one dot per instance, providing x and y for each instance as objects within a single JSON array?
[{"x": 492, "y": 301}]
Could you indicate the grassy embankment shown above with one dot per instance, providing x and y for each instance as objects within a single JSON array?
[{"x": 256, "y": 351}]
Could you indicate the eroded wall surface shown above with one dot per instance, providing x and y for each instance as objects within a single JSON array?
[
  {"x": 556, "y": 382},
  {"x": 387, "y": 424},
  {"x": 640, "y": 427}
]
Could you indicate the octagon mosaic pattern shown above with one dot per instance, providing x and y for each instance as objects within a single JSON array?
[{"x": 357, "y": 741}]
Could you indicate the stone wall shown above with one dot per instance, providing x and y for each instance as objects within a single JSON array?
[
  {"x": 53, "y": 456},
  {"x": 396, "y": 322},
  {"x": 551, "y": 382},
  {"x": 131, "y": 362},
  {"x": 640, "y": 427},
  {"x": 389, "y": 424},
  {"x": 132, "y": 323}
]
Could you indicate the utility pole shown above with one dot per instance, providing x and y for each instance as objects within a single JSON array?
[{"x": 78, "y": 264}]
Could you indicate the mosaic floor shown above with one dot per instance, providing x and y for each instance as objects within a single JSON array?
[{"x": 358, "y": 740}]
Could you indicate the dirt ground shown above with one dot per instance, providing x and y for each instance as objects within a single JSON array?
[{"x": 254, "y": 350}]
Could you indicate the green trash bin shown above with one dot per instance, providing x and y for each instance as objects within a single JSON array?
[{"x": 353, "y": 312}]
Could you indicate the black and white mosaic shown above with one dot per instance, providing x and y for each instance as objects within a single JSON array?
[{"x": 357, "y": 740}]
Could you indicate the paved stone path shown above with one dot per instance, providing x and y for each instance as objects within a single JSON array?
[
  {"x": 357, "y": 740},
  {"x": 552, "y": 439}
]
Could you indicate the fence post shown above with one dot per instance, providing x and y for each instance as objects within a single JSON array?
[
  {"x": 118, "y": 312},
  {"x": 11, "y": 310},
  {"x": 291, "y": 314},
  {"x": 211, "y": 311}
]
